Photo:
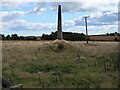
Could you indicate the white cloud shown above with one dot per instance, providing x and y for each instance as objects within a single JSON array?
[
  {"x": 100, "y": 18},
  {"x": 87, "y": 5},
  {"x": 68, "y": 23},
  {"x": 69, "y": 5},
  {"x": 81, "y": 6},
  {"x": 102, "y": 29},
  {"x": 10, "y": 15},
  {"x": 25, "y": 28},
  {"x": 99, "y": 23},
  {"x": 24, "y": 25},
  {"x": 13, "y": 5},
  {"x": 6, "y": 16},
  {"x": 92, "y": 30},
  {"x": 38, "y": 8}
]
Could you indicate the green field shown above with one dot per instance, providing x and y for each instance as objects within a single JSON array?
[{"x": 61, "y": 64}]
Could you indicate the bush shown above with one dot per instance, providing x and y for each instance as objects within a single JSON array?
[{"x": 60, "y": 46}]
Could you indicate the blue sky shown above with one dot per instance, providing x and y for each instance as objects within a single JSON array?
[{"x": 36, "y": 18}]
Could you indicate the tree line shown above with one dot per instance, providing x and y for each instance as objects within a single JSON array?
[
  {"x": 15, "y": 37},
  {"x": 66, "y": 35},
  {"x": 109, "y": 34}
]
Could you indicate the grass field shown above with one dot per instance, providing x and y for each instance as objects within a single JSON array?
[{"x": 54, "y": 64}]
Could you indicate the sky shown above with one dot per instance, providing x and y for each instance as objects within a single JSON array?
[{"x": 34, "y": 18}]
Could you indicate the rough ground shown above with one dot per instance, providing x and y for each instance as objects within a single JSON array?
[{"x": 61, "y": 64}]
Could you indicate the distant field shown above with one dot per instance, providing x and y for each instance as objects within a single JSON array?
[
  {"x": 103, "y": 38},
  {"x": 65, "y": 64}
]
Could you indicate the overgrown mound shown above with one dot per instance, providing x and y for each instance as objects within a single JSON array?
[{"x": 59, "y": 46}]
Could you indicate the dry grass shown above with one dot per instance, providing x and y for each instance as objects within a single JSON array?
[{"x": 39, "y": 63}]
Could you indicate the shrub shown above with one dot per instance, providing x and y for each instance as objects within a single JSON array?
[{"x": 60, "y": 46}]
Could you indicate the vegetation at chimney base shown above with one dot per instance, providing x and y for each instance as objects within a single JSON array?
[{"x": 66, "y": 36}]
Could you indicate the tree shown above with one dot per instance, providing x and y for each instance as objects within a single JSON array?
[
  {"x": 107, "y": 34},
  {"x": 8, "y": 37},
  {"x": 0, "y": 36},
  {"x": 3, "y": 37},
  {"x": 21, "y": 38},
  {"x": 14, "y": 37}
]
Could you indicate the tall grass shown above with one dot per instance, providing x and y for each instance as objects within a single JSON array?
[{"x": 45, "y": 64}]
